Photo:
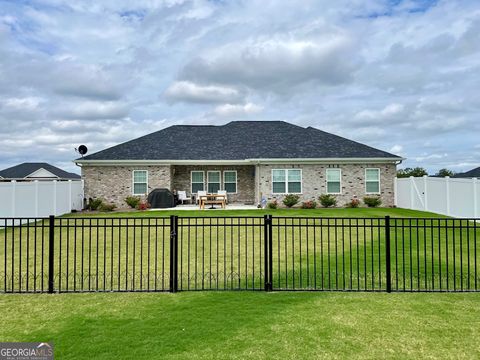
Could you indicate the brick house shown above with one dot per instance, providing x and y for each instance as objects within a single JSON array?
[{"x": 248, "y": 159}]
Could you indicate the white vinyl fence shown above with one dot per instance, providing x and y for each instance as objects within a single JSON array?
[
  {"x": 448, "y": 196},
  {"x": 40, "y": 198}
]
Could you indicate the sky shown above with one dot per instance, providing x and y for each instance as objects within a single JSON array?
[{"x": 399, "y": 75}]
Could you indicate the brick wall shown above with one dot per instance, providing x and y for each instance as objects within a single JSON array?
[
  {"x": 245, "y": 180},
  {"x": 314, "y": 181},
  {"x": 114, "y": 183}
]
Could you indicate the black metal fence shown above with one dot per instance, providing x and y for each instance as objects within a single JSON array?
[{"x": 238, "y": 253}]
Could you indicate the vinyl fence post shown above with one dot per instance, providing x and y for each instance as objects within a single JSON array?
[
  {"x": 173, "y": 254},
  {"x": 387, "y": 254},
  {"x": 51, "y": 239}
]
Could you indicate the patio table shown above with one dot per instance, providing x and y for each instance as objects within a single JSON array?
[{"x": 212, "y": 199}]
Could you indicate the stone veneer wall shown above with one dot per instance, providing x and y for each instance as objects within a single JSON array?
[
  {"x": 114, "y": 183},
  {"x": 245, "y": 180},
  {"x": 314, "y": 181}
]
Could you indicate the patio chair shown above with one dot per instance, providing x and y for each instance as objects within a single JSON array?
[
  {"x": 223, "y": 192},
  {"x": 199, "y": 194},
  {"x": 182, "y": 196}
]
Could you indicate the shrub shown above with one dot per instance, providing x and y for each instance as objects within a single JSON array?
[
  {"x": 94, "y": 204},
  {"x": 132, "y": 201},
  {"x": 290, "y": 200},
  {"x": 310, "y": 204},
  {"x": 143, "y": 205},
  {"x": 327, "y": 200},
  {"x": 354, "y": 203},
  {"x": 272, "y": 205},
  {"x": 106, "y": 207},
  {"x": 372, "y": 201}
]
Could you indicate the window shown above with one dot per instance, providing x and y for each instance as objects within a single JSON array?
[
  {"x": 287, "y": 181},
  {"x": 213, "y": 178},
  {"x": 372, "y": 181},
  {"x": 230, "y": 181},
  {"x": 198, "y": 183},
  {"x": 334, "y": 182},
  {"x": 294, "y": 177},
  {"x": 140, "y": 182}
]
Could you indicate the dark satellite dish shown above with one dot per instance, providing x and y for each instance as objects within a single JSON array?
[{"x": 82, "y": 149}]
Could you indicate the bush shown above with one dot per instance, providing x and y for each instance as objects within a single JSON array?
[
  {"x": 143, "y": 205},
  {"x": 327, "y": 200},
  {"x": 354, "y": 203},
  {"x": 272, "y": 205},
  {"x": 290, "y": 200},
  {"x": 94, "y": 204},
  {"x": 310, "y": 204},
  {"x": 132, "y": 201},
  {"x": 372, "y": 201},
  {"x": 106, "y": 207}
]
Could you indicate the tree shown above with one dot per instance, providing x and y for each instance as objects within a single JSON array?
[
  {"x": 445, "y": 172},
  {"x": 415, "y": 172}
]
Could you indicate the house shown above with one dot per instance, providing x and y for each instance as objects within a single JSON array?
[
  {"x": 249, "y": 159},
  {"x": 474, "y": 173},
  {"x": 36, "y": 171}
]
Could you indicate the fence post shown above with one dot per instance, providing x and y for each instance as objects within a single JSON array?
[
  {"x": 447, "y": 194},
  {"x": 425, "y": 192},
  {"x": 173, "y": 253},
  {"x": 266, "y": 236},
  {"x": 387, "y": 254},
  {"x": 270, "y": 253},
  {"x": 51, "y": 239}
]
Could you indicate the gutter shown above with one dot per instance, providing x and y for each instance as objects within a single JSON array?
[{"x": 395, "y": 160}]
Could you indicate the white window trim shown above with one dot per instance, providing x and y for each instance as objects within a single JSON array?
[
  {"x": 379, "y": 182},
  {"x": 286, "y": 182},
  {"x": 236, "y": 181},
  {"x": 326, "y": 182},
  {"x": 133, "y": 182},
  {"x": 219, "y": 178},
  {"x": 191, "y": 179}
]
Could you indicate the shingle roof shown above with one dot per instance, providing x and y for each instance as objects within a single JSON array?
[
  {"x": 23, "y": 170},
  {"x": 239, "y": 140},
  {"x": 469, "y": 174}
]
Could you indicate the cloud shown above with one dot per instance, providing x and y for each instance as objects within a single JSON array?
[
  {"x": 93, "y": 110},
  {"x": 396, "y": 149},
  {"x": 278, "y": 63},
  {"x": 227, "y": 110},
  {"x": 185, "y": 91},
  {"x": 398, "y": 75}
]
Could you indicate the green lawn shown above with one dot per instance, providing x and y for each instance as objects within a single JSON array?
[
  {"x": 247, "y": 325},
  {"x": 333, "y": 249},
  {"x": 330, "y": 212}
]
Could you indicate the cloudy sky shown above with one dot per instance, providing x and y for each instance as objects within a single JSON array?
[{"x": 403, "y": 76}]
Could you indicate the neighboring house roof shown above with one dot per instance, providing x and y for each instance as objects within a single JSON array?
[
  {"x": 469, "y": 174},
  {"x": 238, "y": 140},
  {"x": 36, "y": 171}
]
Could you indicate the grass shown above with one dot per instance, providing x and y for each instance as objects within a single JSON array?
[
  {"x": 227, "y": 252},
  {"x": 320, "y": 212},
  {"x": 247, "y": 325}
]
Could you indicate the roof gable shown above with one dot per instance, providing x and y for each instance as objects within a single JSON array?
[
  {"x": 36, "y": 170},
  {"x": 469, "y": 174},
  {"x": 239, "y": 140}
]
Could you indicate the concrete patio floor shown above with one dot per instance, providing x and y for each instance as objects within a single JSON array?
[{"x": 217, "y": 207}]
